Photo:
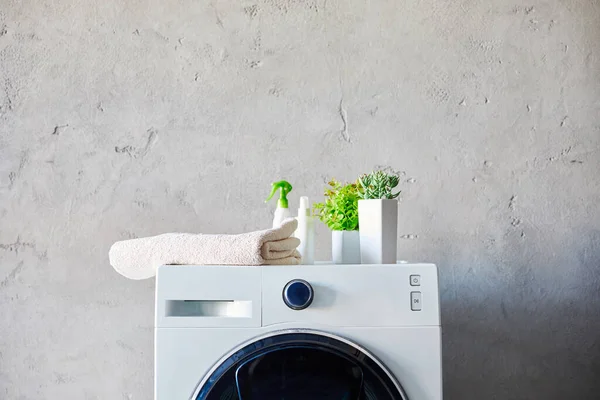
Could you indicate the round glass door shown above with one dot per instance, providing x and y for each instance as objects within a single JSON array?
[{"x": 300, "y": 365}]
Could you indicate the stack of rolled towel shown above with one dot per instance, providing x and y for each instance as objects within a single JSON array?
[{"x": 139, "y": 258}]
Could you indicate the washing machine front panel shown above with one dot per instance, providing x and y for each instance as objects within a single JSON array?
[
  {"x": 205, "y": 314},
  {"x": 299, "y": 364}
]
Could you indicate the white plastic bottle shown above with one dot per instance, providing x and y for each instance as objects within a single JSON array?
[
  {"x": 281, "y": 214},
  {"x": 306, "y": 232}
]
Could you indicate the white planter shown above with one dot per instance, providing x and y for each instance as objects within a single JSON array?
[
  {"x": 345, "y": 247},
  {"x": 378, "y": 223}
]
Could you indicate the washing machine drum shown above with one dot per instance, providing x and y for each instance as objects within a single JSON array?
[{"x": 300, "y": 366}]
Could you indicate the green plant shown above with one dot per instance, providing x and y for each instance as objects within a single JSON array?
[
  {"x": 339, "y": 211},
  {"x": 378, "y": 185}
]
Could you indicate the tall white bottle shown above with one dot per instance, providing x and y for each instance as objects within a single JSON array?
[{"x": 306, "y": 232}]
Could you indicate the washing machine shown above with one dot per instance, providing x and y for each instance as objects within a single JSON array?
[{"x": 339, "y": 332}]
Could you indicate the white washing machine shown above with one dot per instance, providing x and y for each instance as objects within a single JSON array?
[{"x": 340, "y": 332}]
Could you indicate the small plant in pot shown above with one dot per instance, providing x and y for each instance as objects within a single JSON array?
[
  {"x": 339, "y": 212},
  {"x": 378, "y": 217}
]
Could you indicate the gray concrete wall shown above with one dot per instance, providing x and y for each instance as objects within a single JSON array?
[{"x": 123, "y": 119}]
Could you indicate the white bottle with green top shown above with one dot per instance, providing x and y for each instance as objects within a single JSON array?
[{"x": 282, "y": 212}]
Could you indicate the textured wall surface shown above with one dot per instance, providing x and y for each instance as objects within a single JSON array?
[{"x": 123, "y": 119}]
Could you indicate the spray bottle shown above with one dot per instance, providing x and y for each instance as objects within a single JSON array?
[
  {"x": 282, "y": 211},
  {"x": 306, "y": 232}
]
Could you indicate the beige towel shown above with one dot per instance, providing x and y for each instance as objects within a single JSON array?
[{"x": 139, "y": 258}]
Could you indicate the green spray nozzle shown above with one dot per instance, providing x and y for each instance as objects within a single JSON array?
[{"x": 285, "y": 187}]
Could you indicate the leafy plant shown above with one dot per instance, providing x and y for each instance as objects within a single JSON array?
[
  {"x": 378, "y": 185},
  {"x": 339, "y": 211}
]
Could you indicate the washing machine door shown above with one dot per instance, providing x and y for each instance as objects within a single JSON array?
[{"x": 299, "y": 365}]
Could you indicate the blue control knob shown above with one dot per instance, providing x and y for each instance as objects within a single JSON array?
[{"x": 298, "y": 294}]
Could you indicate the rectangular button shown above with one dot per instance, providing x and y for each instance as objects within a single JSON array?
[
  {"x": 415, "y": 280},
  {"x": 415, "y": 301}
]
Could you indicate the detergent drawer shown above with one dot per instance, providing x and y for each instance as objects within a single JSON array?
[{"x": 208, "y": 296}]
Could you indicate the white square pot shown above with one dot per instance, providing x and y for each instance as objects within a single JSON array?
[
  {"x": 345, "y": 247},
  {"x": 378, "y": 224}
]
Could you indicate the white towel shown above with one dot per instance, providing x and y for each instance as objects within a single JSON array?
[{"x": 139, "y": 258}]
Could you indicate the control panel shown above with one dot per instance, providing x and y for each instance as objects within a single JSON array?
[
  {"x": 392, "y": 295},
  {"x": 351, "y": 295}
]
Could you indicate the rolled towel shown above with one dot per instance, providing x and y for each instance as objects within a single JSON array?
[{"x": 139, "y": 258}]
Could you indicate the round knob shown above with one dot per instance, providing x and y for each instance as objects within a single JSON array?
[{"x": 297, "y": 294}]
